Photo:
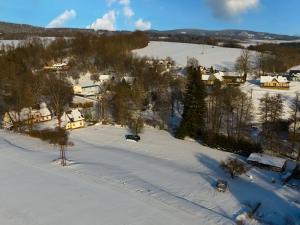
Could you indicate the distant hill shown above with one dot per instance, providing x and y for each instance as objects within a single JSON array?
[
  {"x": 225, "y": 34},
  {"x": 21, "y": 31}
]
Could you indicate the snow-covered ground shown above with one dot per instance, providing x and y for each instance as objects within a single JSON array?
[
  {"x": 258, "y": 42},
  {"x": 207, "y": 55},
  {"x": 160, "y": 180},
  {"x": 258, "y": 92}
]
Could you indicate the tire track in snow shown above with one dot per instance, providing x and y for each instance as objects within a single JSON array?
[{"x": 118, "y": 176}]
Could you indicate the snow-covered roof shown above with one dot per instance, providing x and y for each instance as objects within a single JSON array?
[
  {"x": 294, "y": 68},
  {"x": 128, "y": 79},
  {"x": 266, "y": 79},
  {"x": 104, "y": 77},
  {"x": 28, "y": 113},
  {"x": 267, "y": 160},
  {"x": 232, "y": 74},
  {"x": 73, "y": 115},
  {"x": 59, "y": 64},
  {"x": 205, "y": 77},
  {"x": 219, "y": 76},
  {"x": 44, "y": 111},
  {"x": 25, "y": 114}
]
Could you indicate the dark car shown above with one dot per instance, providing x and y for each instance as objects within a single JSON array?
[
  {"x": 221, "y": 185},
  {"x": 132, "y": 137}
]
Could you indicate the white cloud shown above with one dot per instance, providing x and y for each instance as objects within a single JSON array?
[
  {"x": 110, "y": 2},
  {"x": 230, "y": 9},
  {"x": 128, "y": 12},
  {"x": 127, "y": 9},
  {"x": 107, "y": 22},
  {"x": 62, "y": 19},
  {"x": 141, "y": 24},
  {"x": 121, "y": 2},
  {"x": 124, "y": 2}
]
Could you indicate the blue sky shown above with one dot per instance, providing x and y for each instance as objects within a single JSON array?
[{"x": 278, "y": 16}]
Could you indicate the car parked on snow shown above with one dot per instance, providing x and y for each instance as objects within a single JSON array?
[
  {"x": 221, "y": 185},
  {"x": 132, "y": 137}
]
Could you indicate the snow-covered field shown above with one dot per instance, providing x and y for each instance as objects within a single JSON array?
[
  {"x": 159, "y": 181},
  {"x": 258, "y": 42},
  {"x": 207, "y": 55},
  {"x": 15, "y": 43},
  {"x": 258, "y": 92}
]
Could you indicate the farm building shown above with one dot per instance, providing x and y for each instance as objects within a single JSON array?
[
  {"x": 276, "y": 82},
  {"x": 267, "y": 162}
]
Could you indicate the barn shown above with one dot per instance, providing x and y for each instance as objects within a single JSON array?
[{"x": 267, "y": 162}]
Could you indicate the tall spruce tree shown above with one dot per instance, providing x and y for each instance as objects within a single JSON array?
[{"x": 193, "y": 118}]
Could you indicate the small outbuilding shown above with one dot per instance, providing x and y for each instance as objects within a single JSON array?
[{"x": 267, "y": 162}]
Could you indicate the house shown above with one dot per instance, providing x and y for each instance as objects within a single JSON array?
[
  {"x": 267, "y": 162},
  {"x": 57, "y": 66},
  {"x": 42, "y": 114},
  {"x": 211, "y": 79},
  {"x": 91, "y": 90},
  {"x": 87, "y": 91},
  {"x": 77, "y": 89},
  {"x": 276, "y": 82},
  {"x": 12, "y": 117},
  {"x": 233, "y": 78},
  {"x": 106, "y": 78},
  {"x": 294, "y": 71},
  {"x": 129, "y": 80},
  {"x": 294, "y": 77},
  {"x": 27, "y": 115},
  {"x": 73, "y": 119}
]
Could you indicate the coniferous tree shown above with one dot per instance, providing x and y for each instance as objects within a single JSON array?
[{"x": 193, "y": 118}]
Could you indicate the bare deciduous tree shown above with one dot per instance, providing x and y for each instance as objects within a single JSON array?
[
  {"x": 59, "y": 91},
  {"x": 243, "y": 63}
]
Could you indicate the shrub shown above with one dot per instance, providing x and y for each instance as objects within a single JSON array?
[
  {"x": 180, "y": 133},
  {"x": 239, "y": 146},
  {"x": 234, "y": 167}
]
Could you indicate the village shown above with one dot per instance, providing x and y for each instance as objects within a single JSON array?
[
  {"x": 88, "y": 94},
  {"x": 130, "y": 109}
]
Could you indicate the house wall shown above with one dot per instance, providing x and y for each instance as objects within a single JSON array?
[
  {"x": 267, "y": 167},
  {"x": 75, "y": 125},
  {"x": 275, "y": 84},
  {"x": 7, "y": 123},
  {"x": 77, "y": 89}
]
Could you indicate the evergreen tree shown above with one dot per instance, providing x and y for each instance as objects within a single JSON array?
[{"x": 193, "y": 118}]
